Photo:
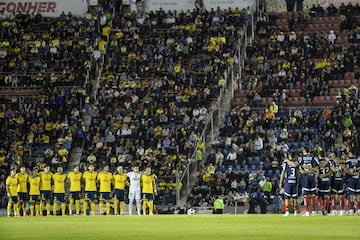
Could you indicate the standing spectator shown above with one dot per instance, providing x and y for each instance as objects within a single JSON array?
[
  {"x": 290, "y": 5},
  {"x": 259, "y": 144},
  {"x": 301, "y": 21},
  {"x": 218, "y": 206},
  {"x": 331, "y": 37},
  {"x": 219, "y": 158},
  {"x": 266, "y": 188},
  {"x": 291, "y": 22},
  {"x": 331, "y": 10},
  {"x": 198, "y": 157},
  {"x": 299, "y": 5}
]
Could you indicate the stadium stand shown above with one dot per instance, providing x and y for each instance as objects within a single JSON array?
[
  {"x": 44, "y": 73},
  {"x": 159, "y": 79},
  {"x": 297, "y": 90},
  {"x": 159, "y": 82}
]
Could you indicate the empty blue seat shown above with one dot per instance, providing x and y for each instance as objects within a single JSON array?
[
  {"x": 257, "y": 160},
  {"x": 249, "y": 160}
]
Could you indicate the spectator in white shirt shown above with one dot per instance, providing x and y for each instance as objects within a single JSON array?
[{"x": 332, "y": 37}]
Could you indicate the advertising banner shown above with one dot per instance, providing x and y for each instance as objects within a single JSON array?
[{"x": 51, "y": 8}]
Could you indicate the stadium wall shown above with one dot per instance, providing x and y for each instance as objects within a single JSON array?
[
  {"x": 178, "y": 5},
  {"x": 50, "y": 8},
  {"x": 280, "y": 5}
]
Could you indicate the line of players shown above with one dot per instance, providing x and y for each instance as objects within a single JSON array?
[
  {"x": 40, "y": 189},
  {"x": 323, "y": 180}
]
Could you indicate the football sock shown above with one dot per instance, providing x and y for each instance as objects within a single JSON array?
[
  {"x": 352, "y": 205},
  {"x": 333, "y": 203},
  {"x": 32, "y": 206},
  {"x": 130, "y": 208},
  {"x": 41, "y": 206},
  {"x": 342, "y": 203},
  {"x": 144, "y": 206},
  {"x": 54, "y": 208},
  {"x": 122, "y": 207},
  {"x": 327, "y": 203},
  {"x": 107, "y": 206},
  {"x": 313, "y": 203},
  {"x": 151, "y": 207},
  {"x": 85, "y": 207},
  {"x": 48, "y": 208},
  {"x": 295, "y": 207},
  {"x": 63, "y": 207},
  {"x": 71, "y": 204},
  {"x": 77, "y": 206},
  {"x": 101, "y": 207},
  {"x": 9, "y": 206},
  {"x": 138, "y": 206},
  {"x": 37, "y": 209},
  {"x": 92, "y": 206},
  {"x": 306, "y": 203},
  {"x": 16, "y": 209},
  {"x": 320, "y": 202},
  {"x": 116, "y": 206}
]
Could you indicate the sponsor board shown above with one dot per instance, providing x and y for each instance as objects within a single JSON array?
[{"x": 52, "y": 8}]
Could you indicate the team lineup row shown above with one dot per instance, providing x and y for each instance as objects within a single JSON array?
[
  {"x": 40, "y": 189},
  {"x": 324, "y": 177}
]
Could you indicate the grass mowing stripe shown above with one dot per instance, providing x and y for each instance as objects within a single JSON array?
[{"x": 171, "y": 227}]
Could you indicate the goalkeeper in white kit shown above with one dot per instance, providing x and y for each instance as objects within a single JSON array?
[{"x": 135, "y": 189}]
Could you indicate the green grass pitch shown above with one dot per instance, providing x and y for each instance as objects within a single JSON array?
[{"x": 187, "y": 227}]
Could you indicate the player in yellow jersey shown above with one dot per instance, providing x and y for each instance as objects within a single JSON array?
[
  {"x": 90, "y": 189},
  {"x": 45, "y": 189},
  {"x": 23, "y": 197},
  {"x": 59, "y": 179},
  {"x": 12, "y": 193},
  {"x": 75, "y": 190},
  {"x": 34, "y": 192},
  {"x": 105, "y": 179},
  {"x": 148, "y": 190},
  {"x": 120, "y": 181}
]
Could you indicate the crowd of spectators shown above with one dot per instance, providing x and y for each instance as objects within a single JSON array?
[
  {"x": 54, "y": 56},
  {"x": 245, "y": 162},
  {"x": 158, "y": 80},
  {"x": 161, "y": 73}
]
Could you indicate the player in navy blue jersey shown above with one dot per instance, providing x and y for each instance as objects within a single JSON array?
[
  {"x": 309, "y": 167},
  {"x": 324, "y": 182},
  {"x": 352, "y": 169},
  {"x": 337, "y": 184},
  {"x": 290, "y": 179}
]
